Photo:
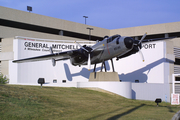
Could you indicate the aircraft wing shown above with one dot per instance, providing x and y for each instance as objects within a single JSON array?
[{"x": 56, "y": 56}]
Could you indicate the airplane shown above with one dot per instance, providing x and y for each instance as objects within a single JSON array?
[{"x": 116, "y": 46}]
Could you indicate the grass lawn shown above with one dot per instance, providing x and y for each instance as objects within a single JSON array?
[{"x": 33, "y": 102}]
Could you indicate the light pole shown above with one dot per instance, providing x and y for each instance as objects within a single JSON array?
[
  {"x": 90, "y": 32},
  {"x": 85, "y": 18}
]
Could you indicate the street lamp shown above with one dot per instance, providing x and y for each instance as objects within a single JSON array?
[
  {"x": 85, "y": 18},
  {"x": 90, "y": 32}
]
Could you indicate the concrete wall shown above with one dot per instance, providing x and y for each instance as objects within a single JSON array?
[
  {"x": 150, "y": 29},
  {"x": 120, "y": 88},
  {"x": 139, "y": 91},
  {"x": 176, "y": 42},
  {"x": 45, "y": 21},
  {"x": 7, "y": 45},
  {"x": 144, "y": 91},
  {"x": 170, "y": 56},
  {"x": 6, "y": 54},
  {"x": 7, "y": 32}
]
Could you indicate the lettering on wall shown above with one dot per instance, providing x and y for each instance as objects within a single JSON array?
[
  {"x": 149, "y": 46},
  {"x": 37, "y": 46}
]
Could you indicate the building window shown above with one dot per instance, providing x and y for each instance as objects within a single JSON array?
[
  {"x": 175, "y": 34},
  {"x": 177, "y": 61},
  {"x": 61, "y": 32},
  {"x": 136, "y": 81},
  {"x": 177, "y": 78},
  {"x": 64, "y": 81}
]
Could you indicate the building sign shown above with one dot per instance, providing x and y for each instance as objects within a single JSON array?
[
  {"x": 42, "y": 46},
  {"x": 174, "y": 99},
  {"x": 149, "y": 46}
]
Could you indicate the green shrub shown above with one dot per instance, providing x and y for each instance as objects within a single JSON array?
[{"x": 3, "y": 79}]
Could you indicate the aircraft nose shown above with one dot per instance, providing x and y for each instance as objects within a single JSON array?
[{"x": 128, "y": 41}]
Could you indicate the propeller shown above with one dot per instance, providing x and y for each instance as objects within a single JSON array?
[
  {"x": 139, "y": 44},
  {"x": 89, "y": 61},
  {"x": 81, "y": 46},
  {"x": 140, "y": 52},
  {"x": 53, "y": 60},
  {"x": 89, "y": 50},
  {"x": 89, "y": 54},
  {"x": 142, "y": 38}
]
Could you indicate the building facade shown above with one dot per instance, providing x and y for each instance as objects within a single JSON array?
[{"x": 33, "y": 26}]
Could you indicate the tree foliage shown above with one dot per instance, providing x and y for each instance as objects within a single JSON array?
[{"x": 3, "y": 79}]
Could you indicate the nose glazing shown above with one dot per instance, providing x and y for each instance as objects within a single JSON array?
[{"x": 128, "y": 41}]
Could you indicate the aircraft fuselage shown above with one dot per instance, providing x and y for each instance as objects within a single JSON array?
[{"x": 107, "y": 49}]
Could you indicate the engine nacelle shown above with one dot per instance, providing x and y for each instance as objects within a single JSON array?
[
  {"x": 78, "y": 60},
  {"x": 133, "y": 51}
]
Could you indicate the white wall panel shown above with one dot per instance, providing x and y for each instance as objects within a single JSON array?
[
  {"x": 151, "y": 71},
  {"x": 144, "y": 91},
  {"x": 30, "y": 72},
  {"x": 121, "y": 88},
  {"x": 129, "y": 69}
]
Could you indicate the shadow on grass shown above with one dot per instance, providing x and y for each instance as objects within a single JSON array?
[
  {"x": 170, "y": 109},
  {"x": 125, "y": 113},
  {"x": 119, "y": 115},
  {"x": 159, "y": 106}
]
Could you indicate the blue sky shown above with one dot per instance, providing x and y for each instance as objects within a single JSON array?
[{"x": 109, "y": 14}]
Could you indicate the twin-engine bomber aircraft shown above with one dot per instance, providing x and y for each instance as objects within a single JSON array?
[{"x": 110, "y": 47}]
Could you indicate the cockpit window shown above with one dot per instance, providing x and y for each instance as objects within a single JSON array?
[
  {"x": 109, "y": 40},
  {"x": 117, "y": 41},
  {"x": 112, "y": 38}
]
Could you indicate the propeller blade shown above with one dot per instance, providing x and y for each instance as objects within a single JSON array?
[
  {"x": 141, "y": 54},
  {"x": 51, "y": 51},
  {"x": 142, "y": 38},
  {"x": 81, "y": 46},
  {"x": 89, "y": 62},
  {"x": 53, "y": 60}
]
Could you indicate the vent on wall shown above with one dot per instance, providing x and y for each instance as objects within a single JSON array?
[
  {"x": 0, "y": 67},
  {"x": 177, "y": 88},
  {"x": 177, "y": 52},
  {"x": 177, "y": 60},
  {"x": 0, "y": 47},
  {"x": 176, "y": 69}
]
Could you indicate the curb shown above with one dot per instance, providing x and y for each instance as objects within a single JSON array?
[{"x": 176, "y": 116}]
